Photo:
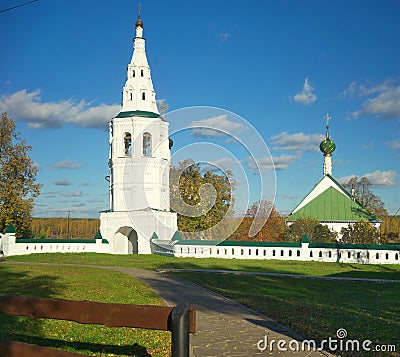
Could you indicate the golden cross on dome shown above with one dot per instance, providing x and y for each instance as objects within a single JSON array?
[{"x": 327, "y": 118}]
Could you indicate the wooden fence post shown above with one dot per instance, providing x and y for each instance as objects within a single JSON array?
[{"x": 180, "y": 330}]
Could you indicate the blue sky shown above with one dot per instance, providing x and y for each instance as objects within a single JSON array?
[{"x": 280, "y": 65}]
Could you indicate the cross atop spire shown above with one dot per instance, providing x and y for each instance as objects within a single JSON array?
[
  {"x": 327, "y": 118},
  {"x": 139, "y": 22}
]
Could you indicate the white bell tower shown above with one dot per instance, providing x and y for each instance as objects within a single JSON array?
[{"x": 139, "y": 164}]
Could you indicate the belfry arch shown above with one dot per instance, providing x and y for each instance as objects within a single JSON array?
[{"x": 125, "y": 241}]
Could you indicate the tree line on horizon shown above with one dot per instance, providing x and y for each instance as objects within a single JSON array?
[{"x": 67, "y": 228}]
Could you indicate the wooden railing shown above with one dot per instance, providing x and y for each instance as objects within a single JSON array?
[{"x": 180, "y": 320}]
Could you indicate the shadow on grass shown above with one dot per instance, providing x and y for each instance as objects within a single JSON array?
[
  {"x": 134, "y": 350},
  {"x": 17, "y": 281}
]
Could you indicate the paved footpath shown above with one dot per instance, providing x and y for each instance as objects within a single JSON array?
[{"x": 224, "y": 327}]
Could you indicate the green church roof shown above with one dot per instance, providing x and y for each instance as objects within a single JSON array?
[
  {"x": 10, "y": 229},
  {"x": 138, "y": 113},
  {"x": 332, "y": 205}
]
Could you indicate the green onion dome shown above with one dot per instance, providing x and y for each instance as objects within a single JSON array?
[{"x": 327, "y": 146}]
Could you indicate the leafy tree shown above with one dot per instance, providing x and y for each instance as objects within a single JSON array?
[
  {"x": 200, "y": 199},
  {"x": 18, "y": 187},
  {"x": 312, "y": 228},
  {"x": 360, "y": 233},
  {"x": 362, "y": 189},
  {"x": 272, "y": 230},
  {"x": 390, "y": 229}
]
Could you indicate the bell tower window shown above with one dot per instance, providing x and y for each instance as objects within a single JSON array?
[
  {"x": 133, "y": 73},
  {"x": 147, "y": 144},
  {"x": 144, "y": 96},
  {"x": 131, "y": 96},
  {"x": 141, "y": 72},
  {"x": 128, "y": 144}
]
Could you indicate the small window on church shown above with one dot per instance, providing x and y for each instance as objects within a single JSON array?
[
  {"x": 144, "y": 96},
  {"x": 128, "y": 144},
  {"x": 141, "y": 72},
  {"x": 133, "y": 73},
  {"x": 131, "y": 96},
  {"x": 147, "y": 144}
]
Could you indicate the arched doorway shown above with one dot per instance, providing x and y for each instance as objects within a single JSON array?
[{"x": 125, "y": 241}]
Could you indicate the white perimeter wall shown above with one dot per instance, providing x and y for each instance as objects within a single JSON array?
[
  {"x": 303, "y": 253},
  {"x": 10, "y": 246}
]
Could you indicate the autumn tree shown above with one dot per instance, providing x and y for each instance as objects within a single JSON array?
[
  {"x": 201, "y": 199},
  {"x": 312, "y": 228},
  {"x": 362, "y": 190},
  {"x": 18, "y": 186},
  {"x": 360, "y": 233},
  {"x": 390, "y": 229},
  {"x": 273, "y": 224}
]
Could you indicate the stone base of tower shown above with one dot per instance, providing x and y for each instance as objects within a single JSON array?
[{"x": 132, "y": 232}]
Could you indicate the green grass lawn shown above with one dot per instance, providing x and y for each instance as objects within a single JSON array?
[
  {"x": 316, "y": 308},
  {"x": 77, "y": 283},
  {"x": 275, "y": 266}
]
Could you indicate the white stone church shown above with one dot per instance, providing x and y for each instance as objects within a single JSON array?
[{"x": 139, "y": 220}]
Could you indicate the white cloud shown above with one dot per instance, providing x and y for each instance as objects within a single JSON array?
[
  {"x": 222, "y": 164},
  {"x": 376, "y": 178},
  {"x": 214, "y": 126},
  {"x": 62, "y": 183},
  {"x": 28, "y": 107},
  {"x": 394, "y": 144},
  {"x": 72, "y": 194},
  {"x": 296, "y": 142},
  {"x": 381, "y": 100},
  {"x": 306, "y": 96},
  {"x": 224, "y": 36},
  {"x": 66, "y": 164},
  {"x": 269, "y": 163},
  {"x": 364, "y": 89},
  {"x": 345, "y": 179},
  {"x": 382, "y": 178}
]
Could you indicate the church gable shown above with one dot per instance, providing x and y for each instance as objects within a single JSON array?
[
  {"x": 325, "y": 183},
  {"x": 333, "y": 206}
]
